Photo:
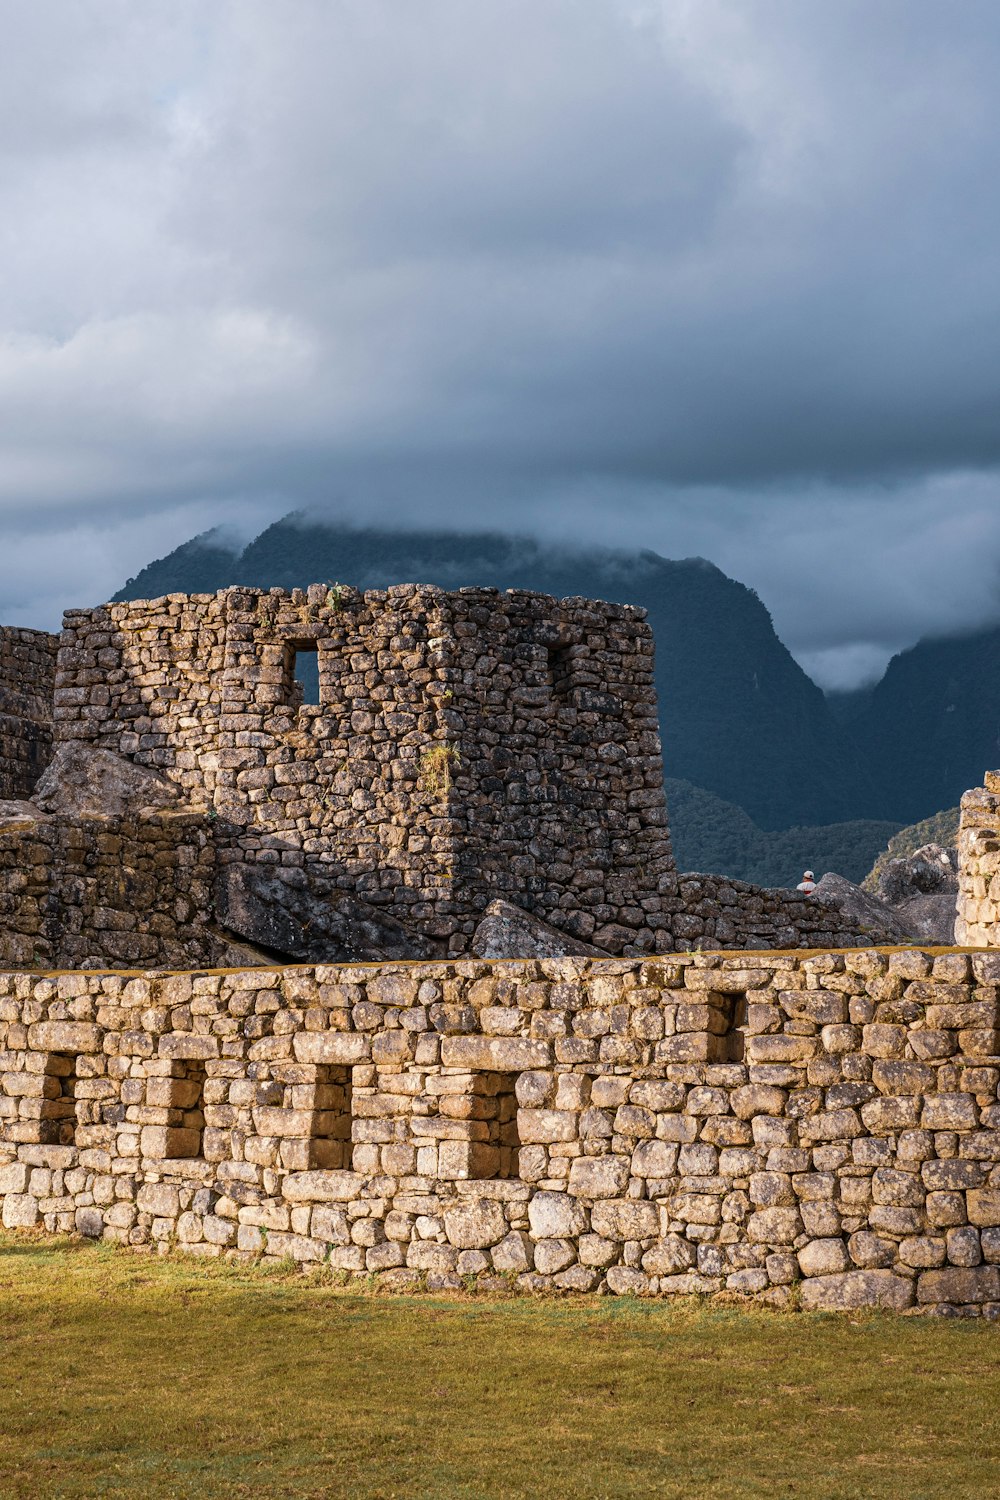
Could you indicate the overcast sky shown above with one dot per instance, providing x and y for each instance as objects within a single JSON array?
[{"x": 714, "y": 277}]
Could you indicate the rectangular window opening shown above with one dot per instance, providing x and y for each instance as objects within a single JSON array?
[
  {"x": 59, "y": 1100},
  {"x": 495, "y": 1107},
  {"x": 302, "y": 674},
  {"x": 736, "y": 1028},
  {"x": 330, "y": 1142},
  {"x": 560, "y": 669}
]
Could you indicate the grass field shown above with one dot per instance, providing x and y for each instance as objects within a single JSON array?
[{"x": 127, "y": 1376}]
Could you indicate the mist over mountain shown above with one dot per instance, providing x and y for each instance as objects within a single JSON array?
[{"x": 739, "y": 716}]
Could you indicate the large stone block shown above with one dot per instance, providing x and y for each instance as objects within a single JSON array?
[
  {"x": 598, "y": 1176},
  {"x": 625, "y": 1219},
  {"x": 322, "y": 1187},
  {"x": 555, "y": 1216},
  {"x": 500, "y": 1054},
  {"x": 960, "y": 1285},
  {"x": 65, "y": 1036},
  {"x": 850, "y": 1290},
  {"x": 332, "y": 1047},
  {"x": 983, "y": 1206},
  {"x": 20, "y": 1211},
  {"x": 475, "y": 1224}
]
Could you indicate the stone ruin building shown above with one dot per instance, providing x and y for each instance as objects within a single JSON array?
[
  {"x": 459, "y": 749},
  {"x": 386, "y": 967}
]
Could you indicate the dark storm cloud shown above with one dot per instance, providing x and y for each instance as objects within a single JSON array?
[{"x": 715, "y": 278}]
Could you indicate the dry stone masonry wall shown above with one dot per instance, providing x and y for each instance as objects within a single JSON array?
[
  {"x": 814, "y": 1129},
  {"x": 465, "y": 746},
  {"x": 27, "y": 680},
  {"x": 127, "y": 890},
  {"x": 978, "y": 921}
]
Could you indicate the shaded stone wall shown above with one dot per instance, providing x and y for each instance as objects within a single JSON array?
[
  {"x": 128, "y": 891},
  {"x": 978, "y": 922},
  {"x": 27, "y": 680},
  {"x": 465, "y": 745},
  {"x": 822, "y": 1129},
  {"x": 712, "y": 911}
]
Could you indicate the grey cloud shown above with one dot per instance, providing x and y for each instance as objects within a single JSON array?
[{"x": 714, "y": 278}]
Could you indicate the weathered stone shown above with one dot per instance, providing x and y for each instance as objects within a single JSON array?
[
  {"x": 824, "y": 1257},
  {"x": 513, "y": 1253},
  {"x": 288, "y": 917},
  {"x": 598, "y": 1176},
  {"x": 553, "y": 1255},
  {"x": 555, "y": 1215},
  {"x": 81, "y": 781},
  {"x": 853, "y": 1289},
  {"x": 506, "y": 931},
  {"x": 625, "y": 1219},
  {"x": 65, "y": 1036},
  {"x": 475, "y": 1223},
  {"x": 960, "y": 1286}
]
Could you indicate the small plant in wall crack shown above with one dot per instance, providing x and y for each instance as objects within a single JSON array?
[{"x": 437, "y": 765}]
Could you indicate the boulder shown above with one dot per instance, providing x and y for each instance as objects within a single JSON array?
[
  {"x": 506, "y": 931},
  {"x": 868, "y": 913},
  {"x": 15, "y": 813},
  {"x": 930, "y": 919},
  {"x": 931, "y": 870},
  {"x": 80, "y": 782},
  {"x": 282, "y": 914}
]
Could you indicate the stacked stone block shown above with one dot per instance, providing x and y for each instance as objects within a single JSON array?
[
  {"x": 134, "y": 891},
  {"x": 815, "y": 1129},
  {"x": 465, "y": 745},
  {"x": 27, "y": 682},
  {"x": 978, "y": 922}
]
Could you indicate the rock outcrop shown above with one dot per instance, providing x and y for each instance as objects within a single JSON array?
[
  {"x": 508, "y": 932},
  {"x": 930, "y": 871},
  {"x": 870, "y": 914},
  {"x": 282, "y": 914},
  {"x": 914, "y": 900},
  {"x": 81, "y": 782}
]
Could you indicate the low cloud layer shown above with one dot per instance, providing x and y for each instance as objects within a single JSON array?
[{"x": 707, "y": 277}]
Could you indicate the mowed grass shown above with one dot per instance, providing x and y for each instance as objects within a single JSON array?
[{"x": 128, "y": 1376}]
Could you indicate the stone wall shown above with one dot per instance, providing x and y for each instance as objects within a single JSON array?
[
  {"x": 820, "y": 1130},
  {"x": 27, "y": 678},
  {"x": 466, "y": 746},
  {"x": 712, "y": 912},
  {"x": 130, "y": 891},
  {"x": 978, "y": 922}
]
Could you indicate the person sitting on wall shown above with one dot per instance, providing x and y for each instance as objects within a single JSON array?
[{"x": 807, "y": 884}]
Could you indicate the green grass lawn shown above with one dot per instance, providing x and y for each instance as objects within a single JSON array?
[{"x": 128, "y": 1376}]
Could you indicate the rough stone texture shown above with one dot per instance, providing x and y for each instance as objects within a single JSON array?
[
  {"x": 27, "y": 680},
  {"x": 978, "y": 921},
  {"x": 277, "y": 911},
  {"x": 713, "y": 911},
  {"x": 83, "y": 783},
  {"x": 132, "y": 891},
  {"x": 930, "y": 920},
  {"x": 931, "y": 870},
  {"x": 688, "y": 1124},
  {"x": 865, "y": 911},
  {"x": 508, "y": 932},
  {"x": 467, "y": 748}
]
